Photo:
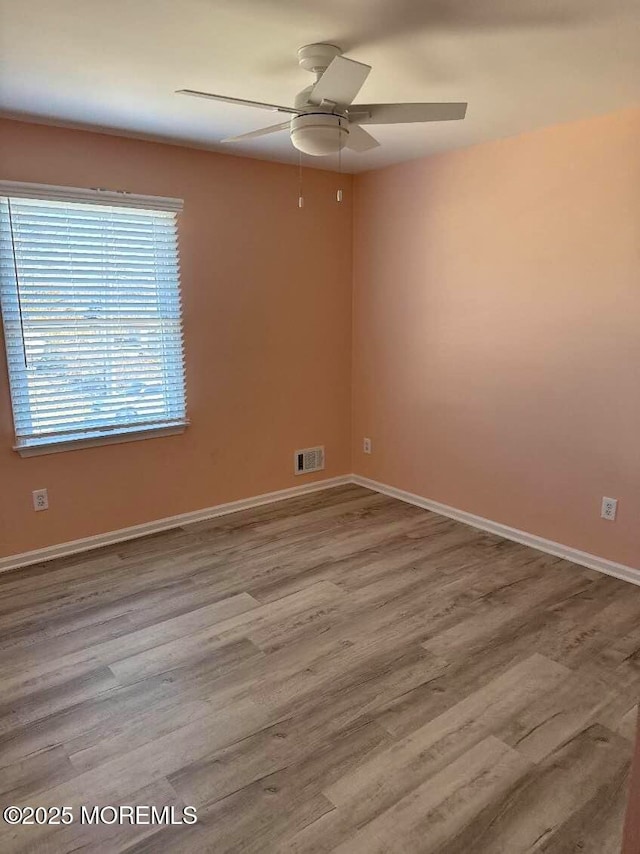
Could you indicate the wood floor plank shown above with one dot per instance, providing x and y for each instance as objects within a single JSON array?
[
  {"x": 32, "y": 774},
  {"x": 502, "y": 621},
  {"x": 271, "y": 753},
  {"x": 555, "y": 716},
  {"x": 106, "y": 783},
  {"x": 201, "y": 648},
  {"x": 489, "y": 655},
  {"x": 45, "y": 697},
  {"x": 428, "y": 815},
  {"x": 124, "y": 638},
  {"x": 538, "y": 810},
  {"x": 627, "y": 723},
  {"x": 143, "y": 729},
  {"x": 265, "y": 814},
  {"x": 595, "y": 828},
  {"x": 105, "y": 838},
  {"x": 337, "y": 498},
  {"x": 375, "y": 784},
  {"x": 92, "y": 721}
]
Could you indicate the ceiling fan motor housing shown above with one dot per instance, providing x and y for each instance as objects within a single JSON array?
[
  {"x": 319, "y": 134},
  {"x": 316, "y": 57}
]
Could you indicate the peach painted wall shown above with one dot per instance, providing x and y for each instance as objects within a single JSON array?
[
  {"x": 267, "y": 314},
  {"x": 497, "y": 331}
]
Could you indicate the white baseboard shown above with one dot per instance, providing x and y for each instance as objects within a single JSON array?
[
  {"x": 135, "y": 531},
  {"x": 617, "y": 570},
  {"x": 609, "y": 567}
]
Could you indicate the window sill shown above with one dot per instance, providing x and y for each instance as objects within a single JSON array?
[{"x": 57, "y": 446}]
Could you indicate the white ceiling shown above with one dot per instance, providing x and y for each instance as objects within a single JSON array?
[{"x": 114, "y": 65}]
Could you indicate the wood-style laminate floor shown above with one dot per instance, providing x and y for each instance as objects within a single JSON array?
[{"x": 338, "y": 672}]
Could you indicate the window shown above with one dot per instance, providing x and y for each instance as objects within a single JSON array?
[{"x": 89, "y": 288}]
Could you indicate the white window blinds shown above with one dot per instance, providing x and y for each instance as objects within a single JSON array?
[{"x": 89, "y": 288}]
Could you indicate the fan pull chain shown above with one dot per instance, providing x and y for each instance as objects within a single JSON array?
[
  {"x": 339, "y": 191},
  {"x": 300, "y": 196}
]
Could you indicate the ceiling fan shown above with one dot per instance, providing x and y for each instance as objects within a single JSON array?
[{"x": 324, "y": 118}]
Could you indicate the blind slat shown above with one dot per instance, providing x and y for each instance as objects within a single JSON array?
[{"x": 90, "y": 431}]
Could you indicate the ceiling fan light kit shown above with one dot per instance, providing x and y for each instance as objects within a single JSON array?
[
  {"x": 319, "y": 134},
  {"x": 324, "y": 119}
]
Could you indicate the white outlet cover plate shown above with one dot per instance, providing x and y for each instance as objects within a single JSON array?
[
  {"x": 40, "y": 499},
  {"x": 609, "y": 508}
]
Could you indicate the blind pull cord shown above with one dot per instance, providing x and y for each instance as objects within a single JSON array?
[{"x": 15, "y": 269}]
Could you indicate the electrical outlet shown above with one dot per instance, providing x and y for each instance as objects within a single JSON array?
[
  {"x": 40, "y": 499},
  {"x": 609, "y": 508},
  {"x": 366, "y": 445}
]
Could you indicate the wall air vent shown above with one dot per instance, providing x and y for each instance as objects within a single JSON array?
[{"x": 308, "y": 460}]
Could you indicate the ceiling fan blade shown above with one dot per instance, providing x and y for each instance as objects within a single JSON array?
[
  {"x": 241, "y": 101},
  {"x": 360, "y": 139},
  {"x": 341, "y": 82},
  {"x": 254, "y": 133},
  {"x": 390, "y": 114}
]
